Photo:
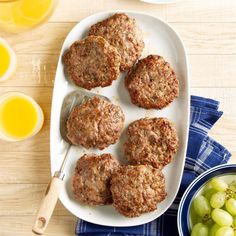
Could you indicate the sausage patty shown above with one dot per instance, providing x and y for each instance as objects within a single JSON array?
[
  {"x": 121, "y": 32},
  {"x": 152, "y": 83},
  {"x": 151, "y": 141},
  {"x": 91, "y": 180},
  {"x": 92, "y": 62},
  {"x": 95, "y": 123},
  {"x": 137, "y": 189}
]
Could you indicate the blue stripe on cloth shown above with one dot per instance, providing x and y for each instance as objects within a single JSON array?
[{"x": 202, "y": 153}]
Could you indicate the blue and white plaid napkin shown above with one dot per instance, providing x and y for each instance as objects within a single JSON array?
[{"x": 203, "y": 153}]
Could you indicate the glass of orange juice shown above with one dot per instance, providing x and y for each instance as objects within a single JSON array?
[
  {"x": 21, "y": 15},
  {"x": 20, "y": 116}
]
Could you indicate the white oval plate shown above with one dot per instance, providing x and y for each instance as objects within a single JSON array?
[{"x": 160, "y": 39}]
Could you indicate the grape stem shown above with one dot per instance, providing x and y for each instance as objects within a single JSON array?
[{"x": 206, "y": 219}]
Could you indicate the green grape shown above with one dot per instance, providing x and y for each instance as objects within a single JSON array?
[
  {"x": 224, "y": 208},
  {"x": 201, "y": 206},
  {"x": 225, "y": 231},
  {"x": 218, "y": 199},
  {"x": 234, "y": 221},
  {"x": 209, "y": 223},
  {"x": 219, "y": 184},
  {"x": 231, "y": 206},
  {"x": 195, "y": 218},
  {"x": 206, "y": 188},
  {"x": 213, "y": 229},
  {"x": 221, "y": 217},
  {"x": 199, "y": 230},
  {"x": 208, "y": 194}
]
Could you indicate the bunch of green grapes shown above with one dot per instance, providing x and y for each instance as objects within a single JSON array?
[{"x": 213, "y": 213}]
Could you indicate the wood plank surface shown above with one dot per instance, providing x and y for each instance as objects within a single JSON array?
[
  {"x": 185, "y": 11},
  {"x": 215, "y": 71},
  {"x": 34, "y": 70},
  {"x": 38, "y": 143},
  {"x": 208, "y": 38},
  {"x": 81, "y": 9},
  {"x": 208, "y": 29},
  {"x": 25, "y": 167},
  {"x": 38, "y": 41},
  {"x": 25, "y": 198},
  {"x": 20, "y": 226},
  {"x": 202, "y": 11}
]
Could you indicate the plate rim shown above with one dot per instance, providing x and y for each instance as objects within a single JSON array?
[{"x": 187, "y": 86}]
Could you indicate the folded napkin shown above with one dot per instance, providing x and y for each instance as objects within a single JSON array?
[{"x": 203, "y": 153}]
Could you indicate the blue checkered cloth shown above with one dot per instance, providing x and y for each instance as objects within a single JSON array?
[{"x": 203, "y": 153}]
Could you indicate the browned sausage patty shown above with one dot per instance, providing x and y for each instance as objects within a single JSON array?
[
  {"x": 91, "y": 180},
  {"x": 137, "y": 189},
  {"x": 95, "y": 123},
  {"x": 92, "y": 62},
  {"x": 121, "y": 32},
  {"x": 152, "y": 83},
  {"x": 151, "y": 141}
]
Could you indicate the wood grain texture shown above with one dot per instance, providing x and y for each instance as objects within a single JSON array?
[
  {"x": 208, "y": 38},
  {"x": 38, "y": 143},
  {"x": 38, "y": 41},
  {"x": 82, "y": 9},
  {"x": 202, "y": 11},
  {"x": 25, "y": 167},
  {"x": 34, "y": 70},
  {"x": 185, "y": 11},
  {"x": 208, "y": 29},
  {"x": 25, "y": 198},
  {"x": 212, "y": 71},
  {"x": 21, "y": 226}
]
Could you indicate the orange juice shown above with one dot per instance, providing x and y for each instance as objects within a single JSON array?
[
  {"x": 19, "y": 15},
  {"x": 8, "y": 61},
  {"x": 5, "y": 60},
  {"x": 20, "y": 116}
]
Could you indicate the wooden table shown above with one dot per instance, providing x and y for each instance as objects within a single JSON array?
[{"x": 208, "y": 29}]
